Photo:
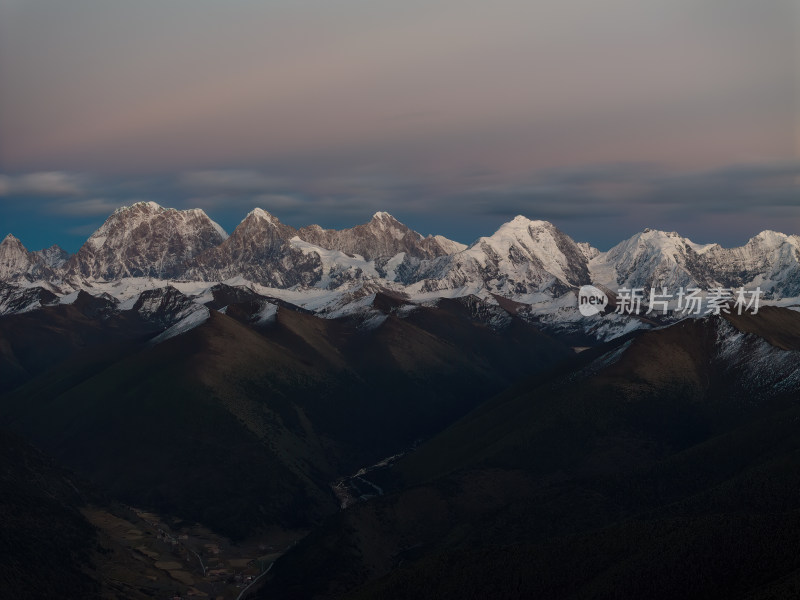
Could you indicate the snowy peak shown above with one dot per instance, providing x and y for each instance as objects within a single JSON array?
[
  {"x": 448, "y": 246},
  {"x": 383, "y": 237},
  {"x": 261, "y": 214},
  {"x": 383, "y": 221},
  {"x": 337, "y": 267},
  {"x": 770, "y": 260},
  {"x": 145, "y": 240},
  {"x": 523, "y": 221},
  {"x": 651, "y": 258},
  {"x": 528, "y": 261},
  {"x": 669, "y": 243},
  {"x": 539, "y": 245},
  {"x": 137, "y": 208},
  {"x": 262, "y": 227},
  {"x": 200, "y": 215},
  {"x": 15, "y": 259},
  {"x": 16, "y": 263},
  {"x": 143, "y": 207},
  {"x": 522, "y": 226},
  {"x": 381, "y": 216},
  {"x": 258, "y": 250},
  {"x": 145, "y": 210},
  {"x": 589, "y": 251},
  {"x": 12, "y": 242},
  {"x": 774, "y": 239},
  {"x": 53, "y": 257}
]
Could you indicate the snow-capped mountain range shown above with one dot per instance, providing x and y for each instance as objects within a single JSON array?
[{"x": 530, "y": 263}]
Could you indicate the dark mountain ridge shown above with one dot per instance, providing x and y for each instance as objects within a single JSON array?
[{"x": 645, "y": 470}]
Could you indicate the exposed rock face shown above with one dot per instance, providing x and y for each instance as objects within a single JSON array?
[
  {"x": 258, "y": 250},
  {"x": 524, "y": 260},
  {"x": 15, "y": 300},
  {"x": 383, "y": 237},
  {"x": 163, "y": 306},
  {"x": 657, "y": 258},
  {"x": 15, "y": 260},
  {"x": 397, "y": 252},
  {"x": 652, "y": 258},
  {"x": 53, "y": 257},
  {"x": 145, "y": 240},
  {"x": 770, "y": 259},
  {"x": 16, "y": 263}
]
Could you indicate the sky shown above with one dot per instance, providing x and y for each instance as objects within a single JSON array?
[{"x": 453, "y": 115}]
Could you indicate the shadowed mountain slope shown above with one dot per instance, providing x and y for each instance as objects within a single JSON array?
[
  {"x": 663, "y": 467},
  {"x": 240, "y": 425}
]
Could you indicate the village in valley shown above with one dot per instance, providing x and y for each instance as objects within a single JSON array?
[{"x": 179, "y": 560}]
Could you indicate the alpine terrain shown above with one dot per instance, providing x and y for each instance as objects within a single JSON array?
[{"x": 376, "y": 413}]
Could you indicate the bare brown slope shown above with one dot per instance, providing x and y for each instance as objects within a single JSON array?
[{"x": 779, "y": 326}]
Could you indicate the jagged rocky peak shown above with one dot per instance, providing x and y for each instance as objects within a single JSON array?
[
  {"x": 17, "y": 263},
  {"x": 260, "y": 213},
  {"x": 384, "y": 222},
  {"x": 383, "y": 237},
  {"x": 588, "y": 250},
  {"x": 146, "y": 210},
  {"x": 145, "y": 240},
  {"x": 15, "y": 299},
  {"x": 94, "y": 305},
  {"x": 163, "y": 306},
  {"x": 147, "y": 206},
  {"x": 12, "y": 244},
  {"x": 770, "y": 260},
  {"x": 223, "y": 295},
  {"x": 447, "y": 245},
  {"x": 260, "y": 222},
  {"x": 259, "y": 233},
  {"x": 530, "y": 261},
  {"x": 15, "y": 259},
  {"x": 53, "y": 257},
  {"x": 259, "y": 250},
  {"x": 652, "y": 258},
  {"x": 383, "y": 217}
]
